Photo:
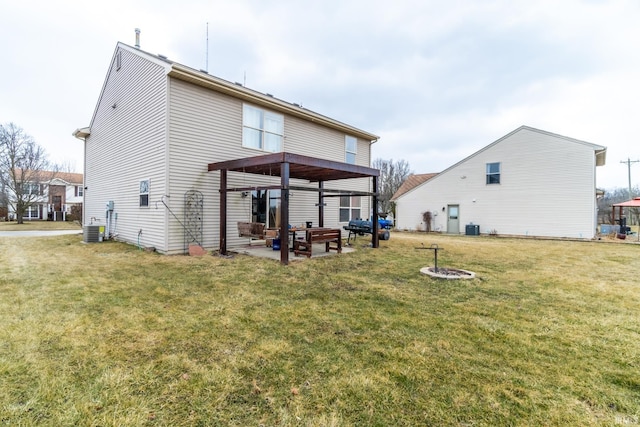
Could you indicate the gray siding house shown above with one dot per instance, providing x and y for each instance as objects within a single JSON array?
[
  {"x": 529, "y": 183},
  {"x": 158, "y": 125}
]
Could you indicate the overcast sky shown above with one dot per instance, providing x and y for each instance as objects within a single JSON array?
[{"x": 436, "y": 80}]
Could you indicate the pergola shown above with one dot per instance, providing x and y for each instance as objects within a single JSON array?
[{"x": 295, "y": 166}]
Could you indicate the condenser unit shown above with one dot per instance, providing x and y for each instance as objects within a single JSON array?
[{"x": 93, "y": 234}]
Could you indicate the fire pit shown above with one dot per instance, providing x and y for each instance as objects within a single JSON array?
[
  {"x": 447, "y": 273},
  {"x": 444, "y": 273}
]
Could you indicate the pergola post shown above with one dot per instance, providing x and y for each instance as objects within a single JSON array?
[
  {"x": 320, "y": 204},
  {"x": 223, "y": 211},
  {"x": 375, "y": 240},
  {"x": 284, "y": 213}
]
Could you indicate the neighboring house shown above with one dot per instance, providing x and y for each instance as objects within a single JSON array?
[
  {"x": 52, "y": 195},
  {"x": 158, "y": 128},
  {"x": 529, "y": 182}
]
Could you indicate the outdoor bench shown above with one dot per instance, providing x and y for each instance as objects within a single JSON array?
[{"x": 332, "y": 238}]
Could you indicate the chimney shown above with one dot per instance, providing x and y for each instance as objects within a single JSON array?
[{"x": 138, "y": 38}]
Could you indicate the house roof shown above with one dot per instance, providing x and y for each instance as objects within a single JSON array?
[
  {"x": 633, "y": 203},
  {"x": 300, "y": 167},
  {"x": 600, "y": 151},
  {"x": 47, "y": 176},
  {"x": 237, "y": 90},
  {"x": 69, "y": 177},
  {"x": 411, "y": 182}
]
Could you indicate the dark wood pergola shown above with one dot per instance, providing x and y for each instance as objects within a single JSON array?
[{"x": 294, "y": 166}]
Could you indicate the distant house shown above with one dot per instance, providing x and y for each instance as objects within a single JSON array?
[
  {"x": 529, "y": 182},
  {"x": 174, "y": 155},
  {"x": 51, "y": 195}
]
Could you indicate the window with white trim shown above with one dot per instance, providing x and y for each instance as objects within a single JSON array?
[
  {"x": 31, "y": 188},
  {"x": 261, "y": 129},
  {"x": 79, "y": 190},
  {"x": 350, "y": 149},
  {"x": 144, "y": 192},
  {"x": 349, "y": 208},
  {"x": 493, "y": 173}
]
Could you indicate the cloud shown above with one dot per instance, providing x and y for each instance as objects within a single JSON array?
[{"x": 436, "y": 80}]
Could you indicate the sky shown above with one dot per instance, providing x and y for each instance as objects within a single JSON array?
[{"x": 436, "y": 80}]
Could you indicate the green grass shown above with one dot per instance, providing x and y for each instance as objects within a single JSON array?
[{"x": 105, "y": 334}]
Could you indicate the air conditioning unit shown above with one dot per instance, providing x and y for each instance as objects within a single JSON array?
[{"x": 93, "y": 233}]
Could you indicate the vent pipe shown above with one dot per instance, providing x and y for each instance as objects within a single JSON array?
[{"x": 138, "y": 38}]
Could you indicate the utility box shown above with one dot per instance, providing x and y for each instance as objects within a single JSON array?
[
  {"x": 472, "y": 230},
  {"x": 91, "y": 234}
]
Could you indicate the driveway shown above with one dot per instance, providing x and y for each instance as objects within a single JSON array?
[{"x": 38, "y": 233}]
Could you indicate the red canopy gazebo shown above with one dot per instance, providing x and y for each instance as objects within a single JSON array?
[{"x": 633, "y": 203}]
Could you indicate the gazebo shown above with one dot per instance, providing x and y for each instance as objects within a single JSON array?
[
  {"x": 633, "y": 203},
  {"x": 295, "y": 166}
]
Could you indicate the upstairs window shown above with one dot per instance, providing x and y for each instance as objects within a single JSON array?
[
  {"x": 350, "y": 149},
  {"x": 29, "y": 188},
  {"x": 261, "y": 129},
  {"x": 144, "y": 192},
  {"x": 493, "y": 173},
  {"x": 349, "y": 208},
  {"x": 79, "y": 191}
]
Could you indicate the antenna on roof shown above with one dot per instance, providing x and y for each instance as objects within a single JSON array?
[
  {"x": 245, "y": 79},
  {"x": 138, "y": 38},
  {"x": 206, "y": 67}
]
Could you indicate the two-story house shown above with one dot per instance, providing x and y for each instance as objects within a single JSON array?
[
  {"x": 156, "y": 148},
  {"x": 48, "y": 195},
  {"x": 530, "y": 182}
]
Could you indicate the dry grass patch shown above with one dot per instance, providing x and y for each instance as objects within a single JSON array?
[
  {"x": 104, "y": 334},
  {"x": 39, "y": 225}
]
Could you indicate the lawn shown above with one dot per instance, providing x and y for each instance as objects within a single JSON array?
[
  {"x": 39, "y": 225},
  {"x": 108, "y": 335}
]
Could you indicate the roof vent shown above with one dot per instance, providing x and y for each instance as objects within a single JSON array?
[
  {"x": 162, "y": 56},
  {"x": 137, "y": 38},
  {"x": 270, "y": 95}
]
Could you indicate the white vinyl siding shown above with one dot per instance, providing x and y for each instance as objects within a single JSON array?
[
  {"x": 547, "y": 188},
  {"x": 148, "y": 126},
  {"x": 127, "y": 143},
  {"x": 206, "y": 127}
]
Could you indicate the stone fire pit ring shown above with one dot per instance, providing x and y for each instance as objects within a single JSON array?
[{"x": 448, "y": 273}]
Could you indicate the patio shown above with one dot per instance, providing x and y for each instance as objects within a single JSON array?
[{"x": 258, "y": 249}]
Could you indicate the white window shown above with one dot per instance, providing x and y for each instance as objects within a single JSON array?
[
  {"x": 79, "y": 191},
  {"x": 261, "y": 129},
  {"x": 350, "y": 149},
  {"x": 493, "y": 173},
  {"x": 31, "y": 188},
  {"x": 144, "y": 192},
  {"x": 32, "y": 212},
  {"x": 349, "y": 208}
]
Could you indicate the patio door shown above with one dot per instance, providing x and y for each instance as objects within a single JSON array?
[
  {"x": 453, "y": 219},
  {"x": 265, "y": 207}
]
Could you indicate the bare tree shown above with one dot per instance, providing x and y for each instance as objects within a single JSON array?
[
  {"x": 23, "y": 168},
  {"x": 611, "y": 197},
  {"x": 392, "y": 175}
]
